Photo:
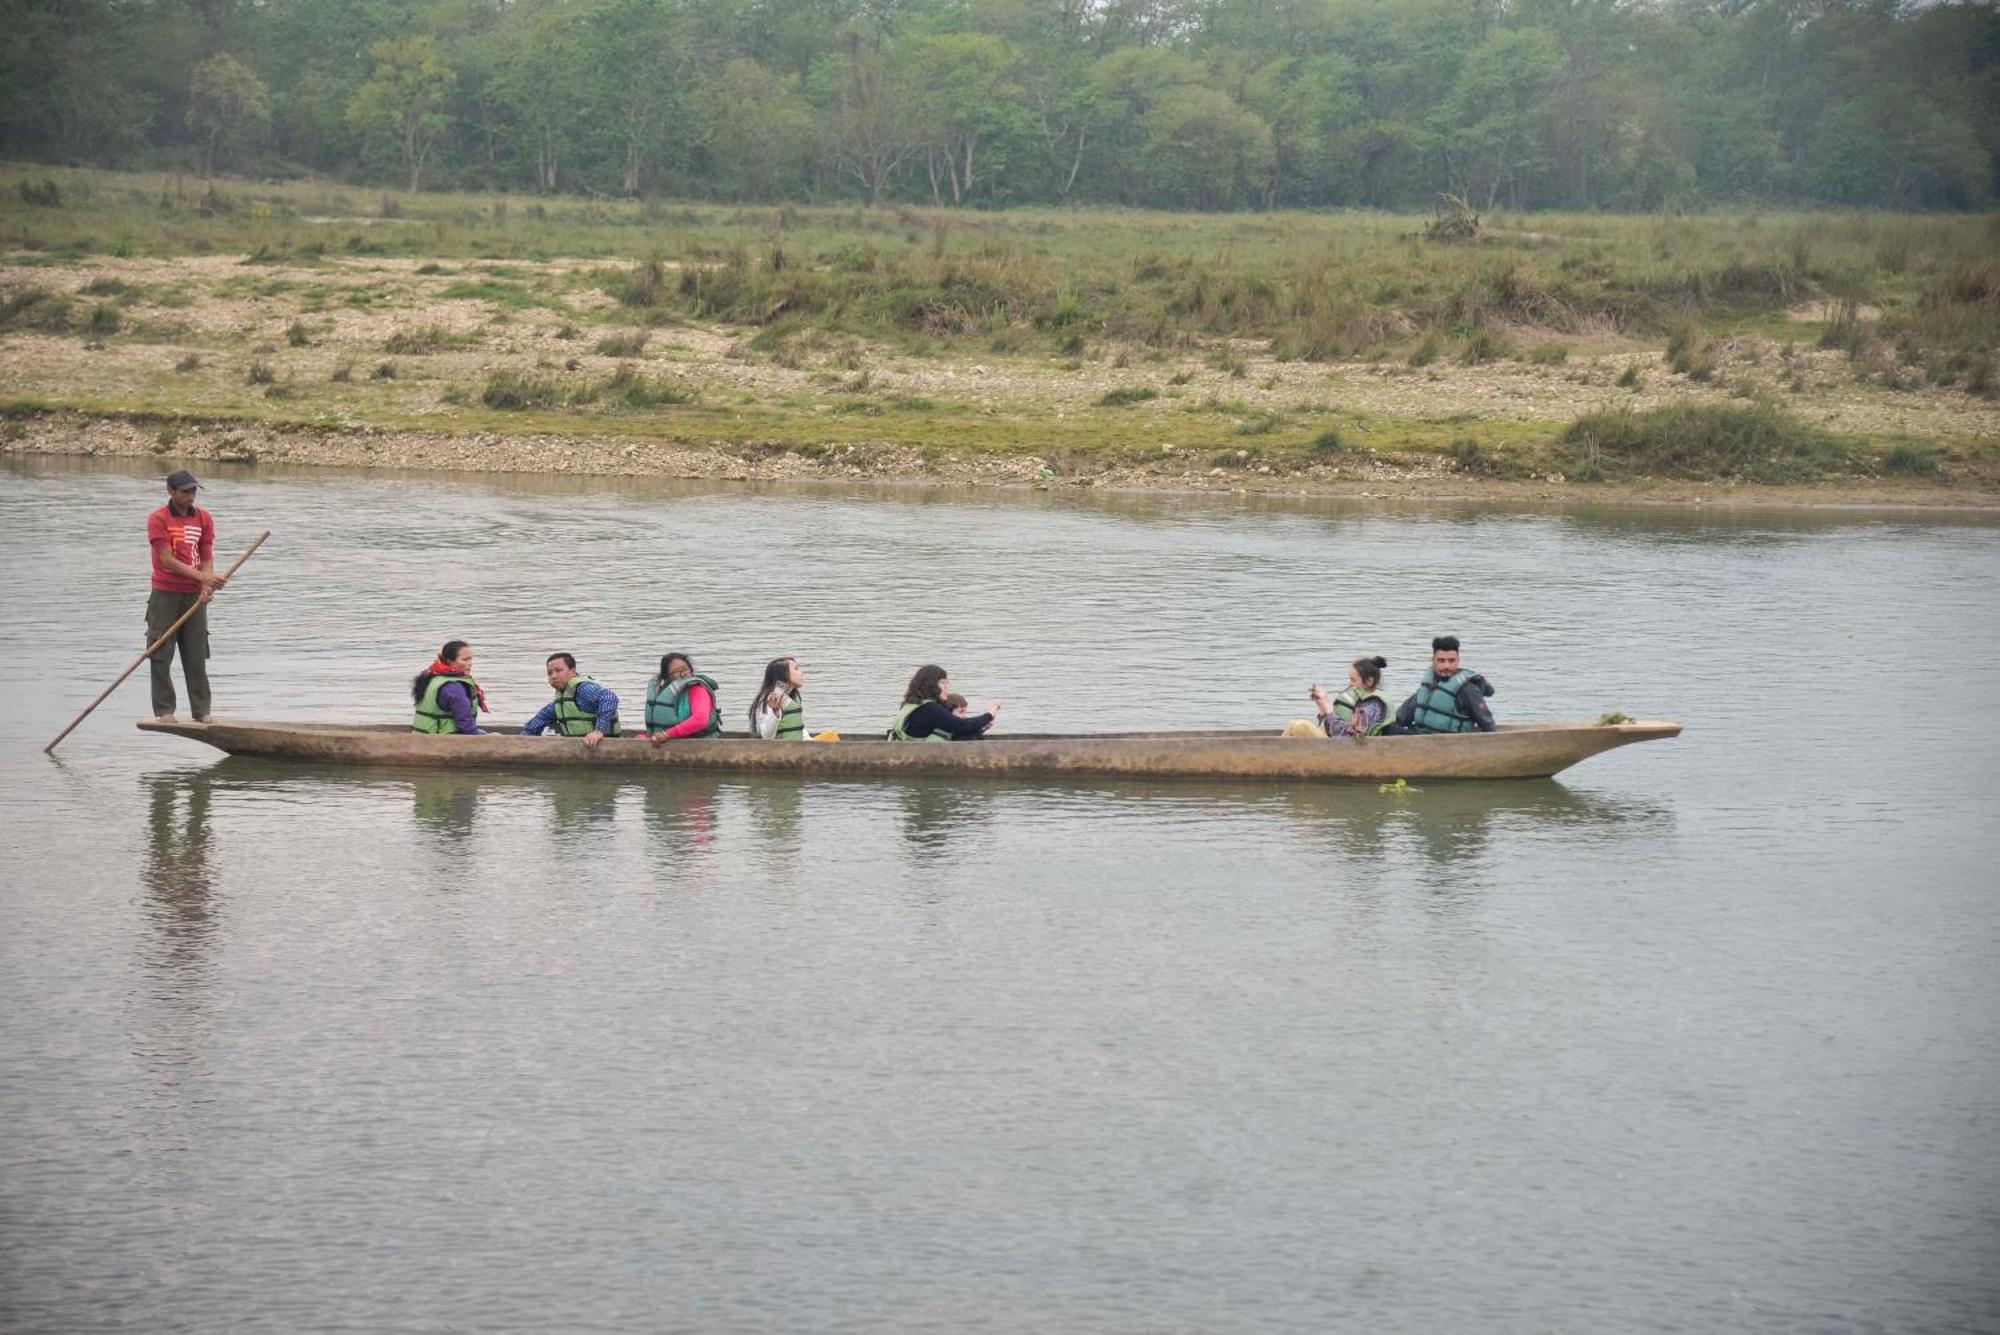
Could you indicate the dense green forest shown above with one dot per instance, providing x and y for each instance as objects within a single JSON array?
[{"x": 1201, "y": 104}]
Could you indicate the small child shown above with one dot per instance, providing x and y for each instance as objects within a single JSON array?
[{"x": 956, "y": 704}]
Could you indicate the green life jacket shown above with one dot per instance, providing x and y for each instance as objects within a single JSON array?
[
  {"x": 668, "y": 704},
  {"x": 896, "y": 733},
  {"x": 792, "y": 720},
  {"x": 435, "y": 718},
  {"x": 1350, "y": 700},
  {"x": 1439, "y": 706},
  {"x": 572, "y": 719}
]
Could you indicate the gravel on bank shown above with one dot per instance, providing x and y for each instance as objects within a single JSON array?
[{"x": 181, "y": 442}]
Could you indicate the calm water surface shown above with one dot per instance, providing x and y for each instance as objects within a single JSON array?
[{"x": 1703, "y": 1036}]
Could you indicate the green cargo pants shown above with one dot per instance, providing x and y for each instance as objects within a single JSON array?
[{"x": 162, "y": 609}]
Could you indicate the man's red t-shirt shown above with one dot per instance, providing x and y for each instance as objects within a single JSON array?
[{"x": 191, "y": 537}]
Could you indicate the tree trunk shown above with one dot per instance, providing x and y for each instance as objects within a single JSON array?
[
  {"x": 1076, "y": 162},
  {"x": 413, "y": 152}
]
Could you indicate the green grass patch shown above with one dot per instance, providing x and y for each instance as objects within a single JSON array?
[
  {"x": 427, "y": 339},
  {"x": 1689, "y": 354},
  {"x": 507, "y": 296},
  {"x": 1911, "y": 460},
  {"x": 33, "y": 309},
  {"x": 1126, "y": 395},
  {"x": 514, "y": 391},
  {"x": 1756, "y": 442},
  {"x": 1307, "y": 285}
]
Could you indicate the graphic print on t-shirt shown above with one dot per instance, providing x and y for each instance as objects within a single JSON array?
[
  {"x": 189, "y": 537},
  {"x": 184, "y": 538}
]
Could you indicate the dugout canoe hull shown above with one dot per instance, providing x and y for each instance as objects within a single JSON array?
[{"x": 1515, "y": 751}]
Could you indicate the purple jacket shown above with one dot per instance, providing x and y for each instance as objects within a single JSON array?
[{"x": 457, "y": 697}]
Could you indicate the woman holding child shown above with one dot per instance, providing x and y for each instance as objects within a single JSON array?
[{"x": 926, "y": 717}]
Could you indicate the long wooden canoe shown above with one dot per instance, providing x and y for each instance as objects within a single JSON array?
[{"x": 1515, "y": 751}]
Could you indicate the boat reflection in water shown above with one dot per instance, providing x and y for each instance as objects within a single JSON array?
[{"x": 840, "y": 828}]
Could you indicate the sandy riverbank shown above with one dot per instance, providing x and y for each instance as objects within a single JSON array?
[{"x": 72, "y": 435}]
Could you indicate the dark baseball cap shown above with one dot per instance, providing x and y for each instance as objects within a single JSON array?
[{"x": 179, "y": 479}]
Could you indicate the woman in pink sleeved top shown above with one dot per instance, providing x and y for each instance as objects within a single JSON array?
[{"x": 680, "y": 703}]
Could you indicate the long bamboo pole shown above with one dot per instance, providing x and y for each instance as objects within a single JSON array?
[{"x": 152, "y": 648}]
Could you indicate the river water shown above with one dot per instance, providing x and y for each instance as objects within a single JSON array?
[{"x": 1704, "y": 1035}]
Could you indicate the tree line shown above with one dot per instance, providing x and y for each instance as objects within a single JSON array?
[{"x": 1190, "y": 104}]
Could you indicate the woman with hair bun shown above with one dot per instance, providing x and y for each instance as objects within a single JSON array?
[
  {"x": 448, "y": 699},
  {"x": 1361, "y": 710}
]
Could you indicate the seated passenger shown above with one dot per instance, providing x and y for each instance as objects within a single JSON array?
[
  {"x": 680, "y": 703},
  {"x": 448, "y": 699},
  {"x": 582, "y": 708},
  {"x": 925, "y": 717},
  {"x": 1450, "y": 698},
  {"x": 956, "y": 703},
  {"x": 1359, "y": 711},
  {"x": 778, "y": 713}
]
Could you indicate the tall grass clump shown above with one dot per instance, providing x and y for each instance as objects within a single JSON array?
[
  {"x": 514, "y": 391},
  {"x": 1956, "y": 320},
  {"x": 1126, "y": 395},
  {"x": 33, "y": 309},
  {"x": 429, "y": 338},
  {"x": 1755, "y": 442},
  {"x": 1484, "y": 344},
  {"x": 629, "y": 343},
  {"x": 1908, "y": 460},
  {"x": 645, "y": 285},
  {"x": 1469, "y": 457},
  {"x": 626, "y": 387},
  {"x": 1689, "y": 354}
]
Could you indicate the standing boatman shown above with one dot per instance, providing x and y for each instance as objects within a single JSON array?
[{"x": 182, "y": 536}]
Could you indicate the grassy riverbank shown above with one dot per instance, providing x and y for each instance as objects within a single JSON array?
[{"x": 1848, "y": 354}]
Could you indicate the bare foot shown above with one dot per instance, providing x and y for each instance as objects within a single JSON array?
[
  {"x": 204, "y": 718},
  {"x": 165, "y": 718}
]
